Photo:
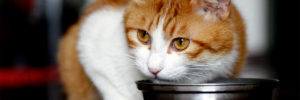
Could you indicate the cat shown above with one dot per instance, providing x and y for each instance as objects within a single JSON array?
[{"x": 118, "y": 42}]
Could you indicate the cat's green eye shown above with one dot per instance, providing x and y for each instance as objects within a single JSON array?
[
  {"x": 143, "y": 36},
  {"x": 180, "y": 43}
]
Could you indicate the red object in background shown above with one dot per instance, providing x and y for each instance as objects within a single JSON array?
[
  {"x": 26, "y": 5},
  {"x": 15, "y": 77}
]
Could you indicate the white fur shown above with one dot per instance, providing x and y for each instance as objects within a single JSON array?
[
  {"x": 103, "y": 53},
  {"x": 159, "y": 46}
]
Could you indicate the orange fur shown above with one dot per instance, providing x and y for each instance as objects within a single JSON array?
[{"x": 240, "y": 30}]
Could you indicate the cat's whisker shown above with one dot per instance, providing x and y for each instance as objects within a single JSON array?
[
  {"x": 195, "y": 75},
  {"x": 188, "y": 78},
  {"x": 199, "y": 68},
  {"x": 205, "y": 65},
  {"x": 173, "y": 74},
  {"x": 198, "y": 75}
]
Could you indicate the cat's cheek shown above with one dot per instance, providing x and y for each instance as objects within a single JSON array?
[
  {"x": 172, "y": 74},
  {"x": 174, "y": 68}
]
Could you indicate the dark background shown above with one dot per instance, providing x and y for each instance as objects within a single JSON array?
[
  {"x": 28, "y": 68},
  {"x": 284, "y": 51}
]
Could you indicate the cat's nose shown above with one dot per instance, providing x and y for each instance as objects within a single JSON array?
[{"x": 154, "y": 71}]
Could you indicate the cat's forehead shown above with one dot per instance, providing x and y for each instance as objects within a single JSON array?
[
  {"x": 150, "y": 13},
  {"x": 178, "y": 17}
]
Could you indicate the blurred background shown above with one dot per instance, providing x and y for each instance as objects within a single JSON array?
[{"x": 30, "y": 31}]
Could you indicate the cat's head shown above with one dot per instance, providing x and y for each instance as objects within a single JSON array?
[{"x": 176, "y": 40}]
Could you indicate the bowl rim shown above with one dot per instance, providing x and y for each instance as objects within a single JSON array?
[
  {"x": 263, "y": 84},
  {"x": 148, "y": 82}
]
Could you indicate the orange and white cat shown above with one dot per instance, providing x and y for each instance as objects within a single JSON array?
[{"x": 117, "y": 42}]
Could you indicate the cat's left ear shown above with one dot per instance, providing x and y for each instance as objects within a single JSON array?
[{"x": 220, "y": 8}]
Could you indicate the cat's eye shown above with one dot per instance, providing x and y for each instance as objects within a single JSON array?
[
  {"x": 180, "y": 43},
  {"x": 143, "y": 36}
]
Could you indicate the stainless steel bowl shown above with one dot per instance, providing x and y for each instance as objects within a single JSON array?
[{"x": 221, "y": 89}]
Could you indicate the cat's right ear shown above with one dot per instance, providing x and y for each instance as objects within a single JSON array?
[{"x": 217, "y": 8}]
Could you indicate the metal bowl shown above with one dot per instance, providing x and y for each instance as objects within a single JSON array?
[{"x": 221, "y": 89}]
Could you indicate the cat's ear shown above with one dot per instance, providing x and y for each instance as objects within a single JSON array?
[{"x": 219, "y": 8}]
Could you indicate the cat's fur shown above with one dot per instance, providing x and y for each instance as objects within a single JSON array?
[{"x": 101, "y": 57}]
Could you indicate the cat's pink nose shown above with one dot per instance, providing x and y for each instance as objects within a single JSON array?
[{"x": 154, "y": 71}]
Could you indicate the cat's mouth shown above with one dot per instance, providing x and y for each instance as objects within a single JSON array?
[
  {"x": 159, "y": 79},
  {"x": 168, "y": 75}
]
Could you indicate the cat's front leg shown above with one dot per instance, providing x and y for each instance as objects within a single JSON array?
[{"x": 110, "y": 90}]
